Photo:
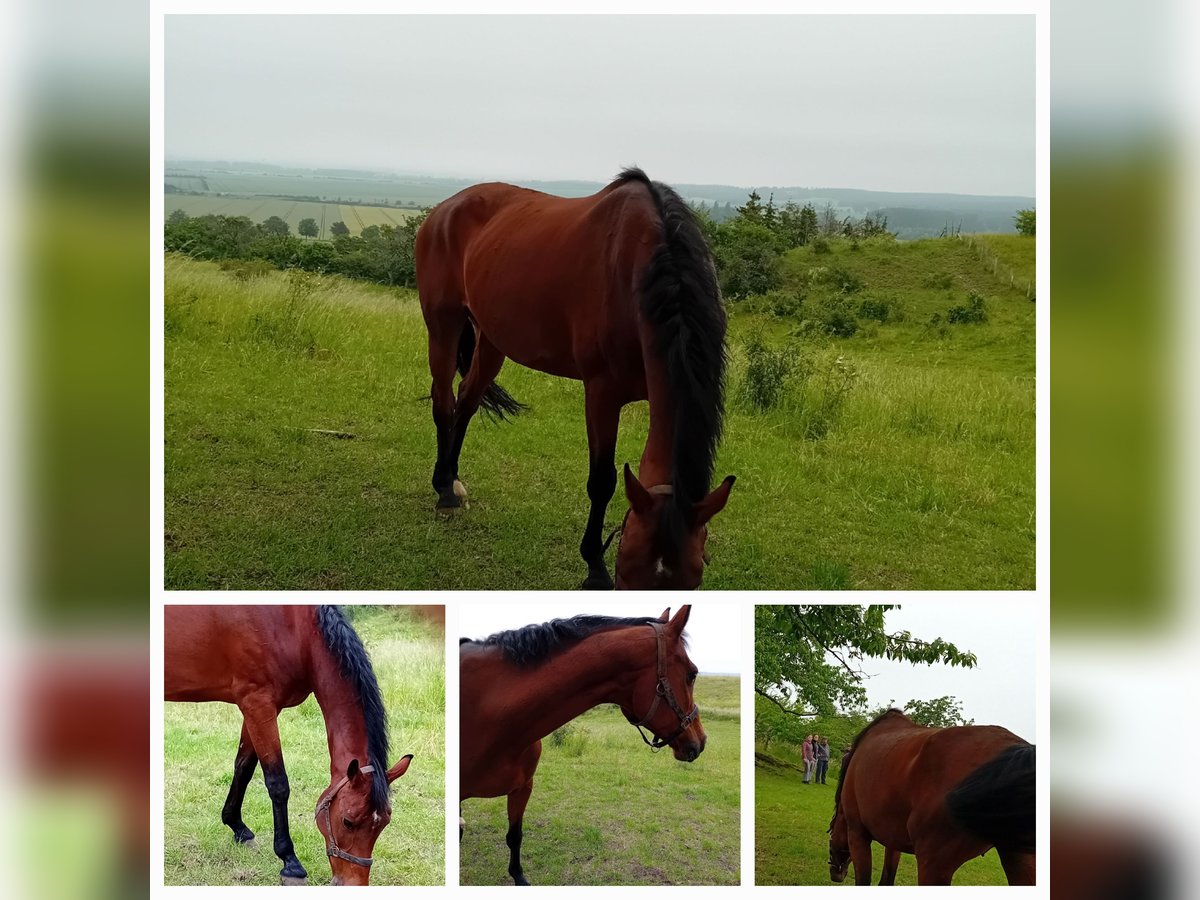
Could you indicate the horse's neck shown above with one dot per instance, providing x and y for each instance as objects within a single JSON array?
[
  {"x": 345, "y": 727},
  {"x": 655, "y": 467},
  {"x": 599, "y": 669}
]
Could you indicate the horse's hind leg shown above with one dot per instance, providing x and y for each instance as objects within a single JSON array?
[
  {"x": 891, "y": 862},
  {"x": 263, "y": 730},
  {"x": 243, "y": 770},
  {"x": 1021, "y": 868},
  {"x": 485, "y": 366},
  {"x": 603, "y": 416}
]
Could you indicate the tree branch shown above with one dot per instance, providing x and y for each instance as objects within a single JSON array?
[{"x": 790, "y": 712}]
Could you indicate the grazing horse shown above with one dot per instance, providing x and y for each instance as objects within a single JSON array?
[
  {"x": 617, "y": 290},
  {"x": 519, "y": 686},
  {"x": 268, "y": 658},
  {"x": 944, "y": 794}
]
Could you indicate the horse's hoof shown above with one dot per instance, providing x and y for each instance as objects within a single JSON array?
[
  {"x": 448, "y": 505},
  {"x": 292, "y": 880},
  {"x": 460, "y": 489}
]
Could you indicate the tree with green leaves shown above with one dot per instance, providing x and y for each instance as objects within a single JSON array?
[
  {"x": 1026, "y": 222},
  {"x": 752, "y": 211},
  {"x": 308, "y": 228},
  {"x": 940, "y": 712},
  {"x": 808, "y": 659},
  {"x": 177, "y": 216},
  {"x": 275, "y": 226},
  {"x": 339, "y": 227}
]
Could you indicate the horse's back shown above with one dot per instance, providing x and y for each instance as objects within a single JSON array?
[
  {"x": 552, "y": 282},
  {"x": 221, "y": 652}
]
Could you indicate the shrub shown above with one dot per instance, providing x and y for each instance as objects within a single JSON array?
[
  {"x": 836, "y": 318},
  {"x": 838, "y": 376},
  {"x": 845, "y": 281},
  {"x": 767, "y": 371},
  {"x": 973, "y": 313},
  {"x": 783, "y": 304},
  {"x": 246, "y": 269},
  {"x": 876, "y": 308},
  {"x": 939, "y": 281},
  {"x": 820, "y": 245}
]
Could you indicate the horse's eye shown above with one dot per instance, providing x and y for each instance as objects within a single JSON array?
[
  {"x": 692, "y": 678},
  {"x": 348, "y": 824}
]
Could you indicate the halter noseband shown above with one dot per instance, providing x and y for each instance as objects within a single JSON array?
[
  {"x": 323, "y": 807},
  {"x": 662, "y": 692}
]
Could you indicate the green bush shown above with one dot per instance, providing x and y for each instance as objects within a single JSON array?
[
  {"x": 820, "y": 245},
  {"x": 877, "y": 308},
  {"x": 845, "y": 281},
  {"x": 783, "y": 304},
  {"x": 972, "y": 313},
  {"x": 246, "y": 269},
  {"x": 836, "y": 318},
  {"x": 767, "y": 371}
]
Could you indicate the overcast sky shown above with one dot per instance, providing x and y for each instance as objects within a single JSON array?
[
  {"x": 902, "y": 103},
  {"x": 713, "y": 630},
  {"x": 1001, "y": 690}
]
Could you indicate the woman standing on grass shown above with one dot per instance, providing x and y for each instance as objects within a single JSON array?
[
  {"x": 806, "y": 750},
  {"x": 822, "y": 754}
]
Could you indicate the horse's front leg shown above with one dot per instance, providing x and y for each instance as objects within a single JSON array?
[
  {"x": 891, "y": 863},
  {"x": 243, "y": 770},
  {"x": 517, "y": 801},
  {"x": 263, "y": 730},
  {"x": 860, "y": 855},
  {"x": 603, "y": 416}
]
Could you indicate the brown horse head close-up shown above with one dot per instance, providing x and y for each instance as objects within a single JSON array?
[
  {"x": 663, "y": 539},
  {"x": 350, "y": 820},
  {"x": 665, "y": 693}
]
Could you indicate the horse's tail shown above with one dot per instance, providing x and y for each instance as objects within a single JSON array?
[
  {"x": 496, "y": 402},
  {"x": 681, "y": 300},
  {"x": 997, "y": 801}
]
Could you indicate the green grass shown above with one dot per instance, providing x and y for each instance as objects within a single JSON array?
[
  {"x": 791, "y": 845},
  {"x": 921, "y": 478},
  {"x": 201, "y": 740},
  {"x": 607, "y": 811}
]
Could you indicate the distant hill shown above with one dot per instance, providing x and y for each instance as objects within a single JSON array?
[{"x": 909, "y": 214}]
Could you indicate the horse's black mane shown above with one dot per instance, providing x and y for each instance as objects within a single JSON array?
[
  {"x": 536, "y": 643},
  {"x": 346, "y": 646},
  {"x": 887, "y": 715},
  {"x": 682, "y": 302}
]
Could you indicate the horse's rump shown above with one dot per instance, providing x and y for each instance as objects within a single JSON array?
[{"x": 998, "y": 801}]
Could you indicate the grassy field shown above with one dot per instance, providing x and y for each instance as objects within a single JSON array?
[
  {"x": 201, "y": 740},
  {"x": 904, "y": 459},
  {"x": 607, "y": 811},
  {"x": 791, "y": 844},
  {"x": 258, "y": 209}
]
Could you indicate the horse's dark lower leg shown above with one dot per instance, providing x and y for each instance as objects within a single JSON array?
[
  {"x": 517, "y": 801},
  {"x": 602, "y": 419},
  {"x": 891, "y": 862},
  {"x": 259, "y": 723},
  {"x": 243, "y": 770},
  {"x": 1020, "y": 868},
  {"x": 279, "y": 790},
  {"x": 442, "y": 366}
]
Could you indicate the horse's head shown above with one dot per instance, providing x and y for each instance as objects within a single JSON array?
[
  {"x": 661, "y": 700},
  {"x": 839, "y": 848},
  {"x": 351, "y": 823},
  {"x": 645, "y": 558}
]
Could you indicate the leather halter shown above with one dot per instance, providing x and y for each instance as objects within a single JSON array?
[
  {"x": 323, "y": 807},
  {"x": 663, "y": 692}
]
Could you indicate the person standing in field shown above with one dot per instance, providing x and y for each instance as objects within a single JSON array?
[
  {"x": 821, "y": 751},
  {"x": 810, "y": 760}
]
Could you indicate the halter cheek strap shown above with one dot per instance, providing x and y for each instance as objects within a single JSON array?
[
  {"x": 663, "y": 691},
  {"x": 323, "y": 807}
]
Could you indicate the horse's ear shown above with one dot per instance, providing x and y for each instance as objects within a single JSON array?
[
  {"x": 681, "y": 618},
  {"x": 353, "y": 769},
  {"x": 666, "y": 616},
  {"x": 399, "y": 768},
  {"x": 714, "y": 502},
  {"x": 639, "y": 498}
]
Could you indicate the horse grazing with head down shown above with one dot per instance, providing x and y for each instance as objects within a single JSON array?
[
  {"x": 617, "y": 290},
  {"x": 944, "y": 794},
  {"x": 518, "y": 686},
  {"x": 269, "y": 658}
]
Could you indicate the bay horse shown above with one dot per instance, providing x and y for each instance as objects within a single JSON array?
[
  {"x": 268, "y": 658},
  {"x": 617, "y": 290},
  {"x": 518, "y": 686},
  {"x": 945, "y": 795}
]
